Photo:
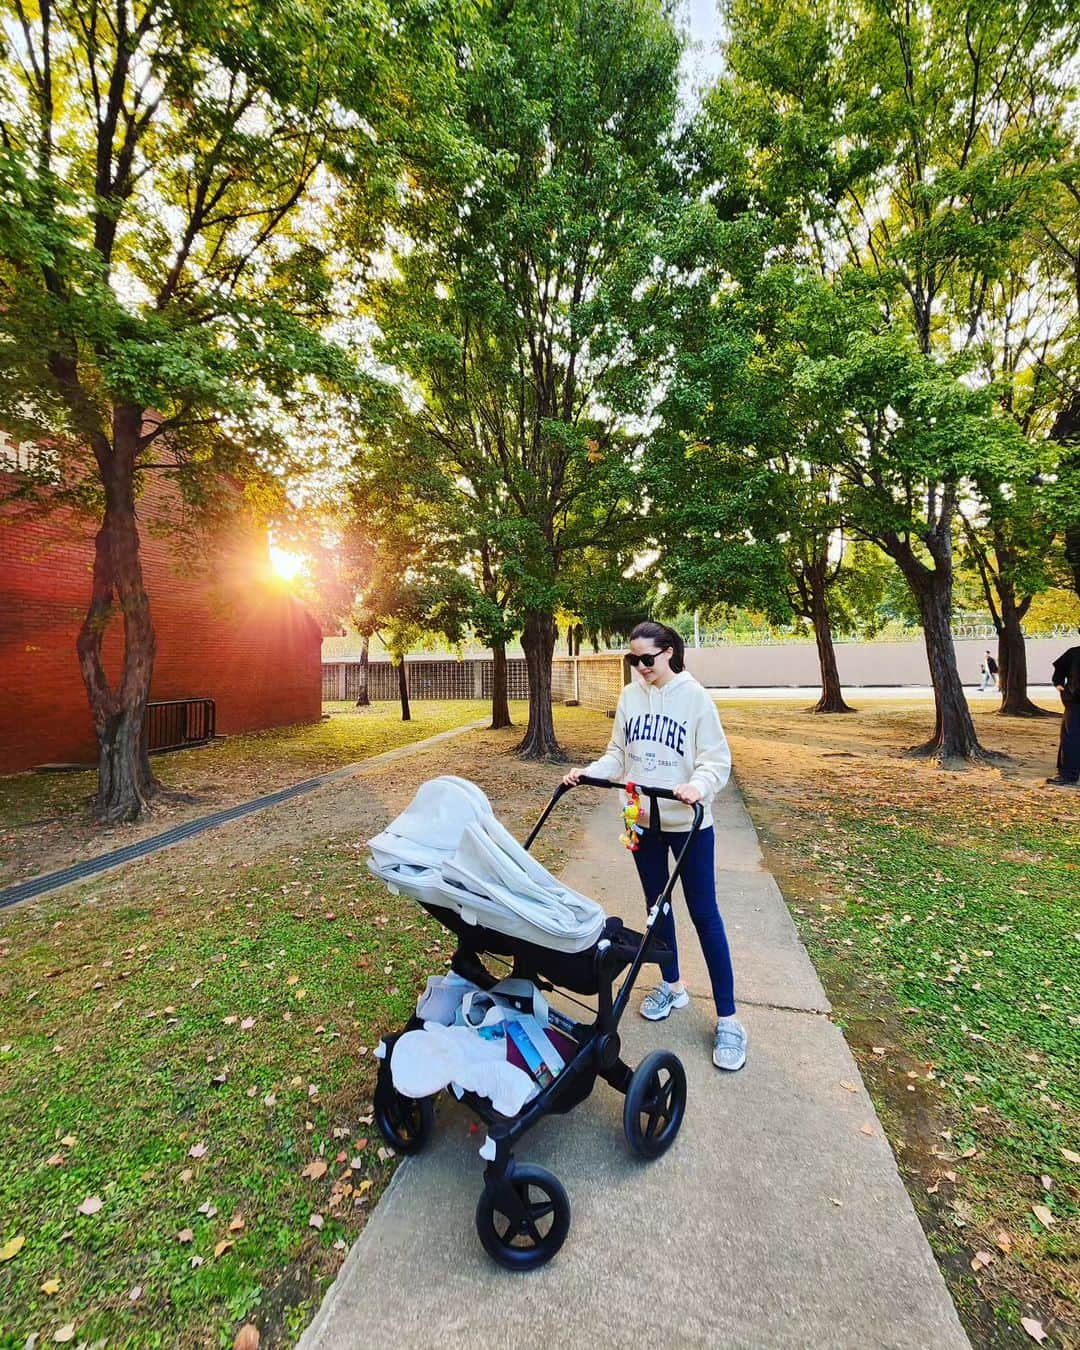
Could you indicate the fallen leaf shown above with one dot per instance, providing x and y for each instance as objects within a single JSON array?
[
  {"x": 848, "y": 1086},
  {"x": 933, "y": 1190},
  {"x": 838, "y": 1203},
  {"x": 56, "y": 1160},
  {"x": 236, "y": 1224},
  {"x": 1047, "y": 1182},
  {"x": 135, "y": 1294},
  {"x": 247, "y": 1338},
  {"x": 208, "y": 1209},
  {"x": 877, "y": 1049},
  {"x": 981, "y": 1259},
  {"x": 360, "y": 1143},
  {"x": 12, "y": 1247},
  {"x": 195, "y": 1262},
  {"x": 231, "y": 1020},
  {"x": 51, "y": 1287},
  {"x": 197, "y": 1151},
  {"x": 269, "y": 1100},
  {"x": 1003, "y": 1240},
  {"x": 863, "y": 1129},
  {"x": 969, "y": 1153},
  {"x": 1070, "y": 1156},
  {"x": 1033, "y": 1328},
  {"x": 90, "y": 1205},
  {"x": 293, "y": 979},
  {"x": 223, "y": 1246},
  {"x": 185, "y": 1235},
  {"x": 65, "y": 1333},
  {"x": 315, "y": 1169},
  {"x": 1043, "y": 1215},
  {"x": 364, "y": 1186},
  {"x": 186, "y": 1175},
  {"x": 68, "y": 1141},
  {"x": 247, "y": 1024},
  {"x": 316, "y": 1221}
]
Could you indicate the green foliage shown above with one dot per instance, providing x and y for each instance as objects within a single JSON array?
[
  {"x": 165, "y": 176},
  {"x": 518, "y": 311}
]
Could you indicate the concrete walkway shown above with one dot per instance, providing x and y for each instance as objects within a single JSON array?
[{"x": 778, "y": 1218}]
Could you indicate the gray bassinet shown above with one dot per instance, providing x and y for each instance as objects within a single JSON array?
[{"x": 447, "y": 849}]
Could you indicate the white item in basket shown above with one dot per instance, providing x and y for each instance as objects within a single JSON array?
[{"x": 425, "y": 1062}]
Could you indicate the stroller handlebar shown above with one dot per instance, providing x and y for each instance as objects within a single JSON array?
[{"x": 654, "y": 793}]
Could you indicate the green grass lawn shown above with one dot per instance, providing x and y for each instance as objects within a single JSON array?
[
  {"x": 44, "y": 816},
  {"x": 943, "y": 912},
  {"x": 183, "y": 1040}
]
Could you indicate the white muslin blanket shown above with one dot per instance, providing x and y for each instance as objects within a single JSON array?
[{"x": 424, "y": 1062}]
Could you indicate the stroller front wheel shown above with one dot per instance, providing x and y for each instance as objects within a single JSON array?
[
  {"x": 523, "y": 1219},
  {"x": 655, "y": 1104},
  {"x": 406, "y": 1123}
]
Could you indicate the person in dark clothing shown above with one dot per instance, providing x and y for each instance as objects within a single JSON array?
[{"x": 1067, "y": 682}]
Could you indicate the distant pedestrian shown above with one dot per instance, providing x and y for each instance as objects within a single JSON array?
[
  {"x": 989, "y": 672},
  {"x": 1067, "y": 682}
]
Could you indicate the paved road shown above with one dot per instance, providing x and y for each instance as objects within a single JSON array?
[{"x": 778, "y": 1219}]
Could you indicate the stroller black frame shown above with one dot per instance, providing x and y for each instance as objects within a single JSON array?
[{"x": 524, "y": 1213}]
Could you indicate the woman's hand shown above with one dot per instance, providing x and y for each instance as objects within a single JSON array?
[
  {"x": 571, "y": 779},
  {"x": 686, "y": 792}
]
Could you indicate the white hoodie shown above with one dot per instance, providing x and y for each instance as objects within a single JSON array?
[{"x": 665, "y": 735}]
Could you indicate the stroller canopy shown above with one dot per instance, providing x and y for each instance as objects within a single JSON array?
[{"x": 448, "y": 850}]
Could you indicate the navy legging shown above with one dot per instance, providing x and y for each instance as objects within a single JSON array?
[{"x": 699, "y": 887}]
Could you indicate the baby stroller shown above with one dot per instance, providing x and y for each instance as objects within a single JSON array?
[{"x": 524, "y": 1213}]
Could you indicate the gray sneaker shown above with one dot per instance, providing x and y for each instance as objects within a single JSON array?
[
  {"x": 729, "y": 1047},
  {"x": 659, "y": 1004}
]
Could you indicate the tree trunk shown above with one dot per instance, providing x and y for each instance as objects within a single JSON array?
[
  {"x": 403, "y": 690},
  {"x": 538, "y": 640},
  {"x": 832, "y": 698},
  {"x": 363, "y": 698},
  {"x": 954, "y": 735},
  {"x": 1012, "y": 660},
  {"x": 126, "y": 783},
  {"x": 500, "y": 698}
]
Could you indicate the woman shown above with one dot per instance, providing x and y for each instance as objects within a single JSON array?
[{"x": 668, "y": 734}]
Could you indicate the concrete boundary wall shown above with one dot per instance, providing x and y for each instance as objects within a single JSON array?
[{"x": 860, "y": 663}]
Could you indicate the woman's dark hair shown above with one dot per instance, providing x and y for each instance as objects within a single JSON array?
[{"x": 663, "y": 636}]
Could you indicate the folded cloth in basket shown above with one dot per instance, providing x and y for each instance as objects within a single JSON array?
[
  {"x": 424, "y": 1062},
  {"x": 429, "y": 829},
  {"x": 492, "y": 872}
]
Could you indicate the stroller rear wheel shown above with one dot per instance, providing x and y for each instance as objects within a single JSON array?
[
  {"x": 655, "y": 1104},
  {"x": 523, "y": 1219},
  {"x": 406, "y": 1122}
]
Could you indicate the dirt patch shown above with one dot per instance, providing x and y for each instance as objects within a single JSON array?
[{"x": 45, "y": 818}]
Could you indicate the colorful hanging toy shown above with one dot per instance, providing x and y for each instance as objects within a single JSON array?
[{"x": 631, "y": 812}]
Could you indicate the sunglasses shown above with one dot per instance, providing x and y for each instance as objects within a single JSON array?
[{"x": 648, "y": 660}]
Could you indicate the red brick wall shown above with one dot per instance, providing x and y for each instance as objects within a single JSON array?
[{"x": 224, "y": 631}]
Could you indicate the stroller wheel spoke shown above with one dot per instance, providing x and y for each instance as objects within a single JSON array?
[
  {"x": 523, "y": 1219},
  {"x": 655, "y": 1102}
]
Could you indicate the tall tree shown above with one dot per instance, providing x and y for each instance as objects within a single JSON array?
[
  {"x": 520, "y": 310},
  {"x": 165, "y": 167},
  {"x": 902, "y": 144}
]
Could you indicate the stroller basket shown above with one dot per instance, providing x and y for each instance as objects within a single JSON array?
[{"x": 524, "y": 1213}]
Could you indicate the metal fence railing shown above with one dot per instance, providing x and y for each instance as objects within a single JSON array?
[
  {"x": 172, "y": 724},
  {"x": 445, "y": 679}
]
